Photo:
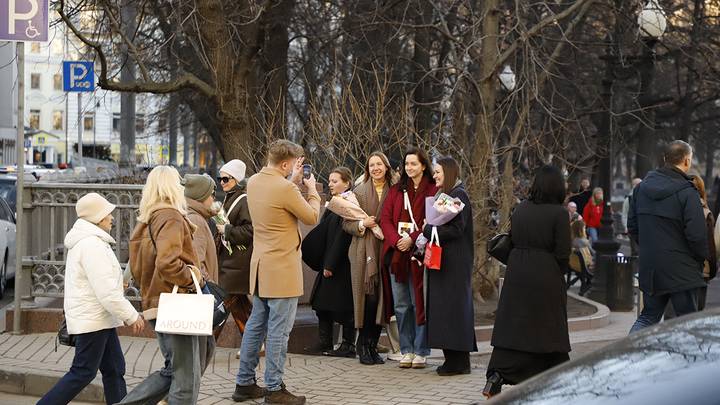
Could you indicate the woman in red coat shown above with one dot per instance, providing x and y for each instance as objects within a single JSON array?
[
  {"x": 402, "y": 217},
  {"x": 593, "y": 213}
]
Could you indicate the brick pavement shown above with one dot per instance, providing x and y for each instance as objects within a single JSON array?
[{"x": 29, "y": 364}]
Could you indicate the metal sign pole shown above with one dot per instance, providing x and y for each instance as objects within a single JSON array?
[
  {"x": 80, "y": 129},
  {"x": 20, "y": 147}
]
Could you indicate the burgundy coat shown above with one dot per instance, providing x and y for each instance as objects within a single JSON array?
[{"x": 391, "y": 215}]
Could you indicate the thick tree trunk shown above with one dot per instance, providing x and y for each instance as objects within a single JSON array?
[
  {"x": 485, "y": 284},
  {"x": 127, "y": 100}
]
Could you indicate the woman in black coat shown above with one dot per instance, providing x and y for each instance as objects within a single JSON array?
[
  {"x": 449, "y": 306},
  {"x": 325, "y": 250},
  {"x": 531, "y": 333}
]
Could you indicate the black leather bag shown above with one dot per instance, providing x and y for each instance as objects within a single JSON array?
[
  {"x": 499, "y": 247},
  {"x": 63, "y": 337},
  {"x": 220, "y": 314}
]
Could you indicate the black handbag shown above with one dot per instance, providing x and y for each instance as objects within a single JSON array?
[
  {"x": 220, "y": 314},
  {"x": 499, "y": 247},
  {"x": 63, "y": 337}
]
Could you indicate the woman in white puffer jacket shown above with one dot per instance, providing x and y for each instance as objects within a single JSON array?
[{"x": 94, "y": 305}]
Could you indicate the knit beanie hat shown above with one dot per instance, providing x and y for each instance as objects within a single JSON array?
[
  {"x": 93, "y": 207},
  {"x": 235, "y": 168},
  {"x": 199, "y": 187}
]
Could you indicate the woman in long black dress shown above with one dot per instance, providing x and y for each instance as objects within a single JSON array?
[
  {"x": 331, "y": 296},
  {"x": 531, "y": 332},
  {"x": 449, "y": 306}
]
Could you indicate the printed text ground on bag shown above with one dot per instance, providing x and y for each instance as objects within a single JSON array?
[{"x": 186, "y": 314}]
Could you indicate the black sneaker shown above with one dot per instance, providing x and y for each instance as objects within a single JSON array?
[
  {"x": 245, "y": 392},
  {"x": 345, "y": 350},
  {"x": 283, "y": 396}
]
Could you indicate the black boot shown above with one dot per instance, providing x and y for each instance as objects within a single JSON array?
[
  {"x": 493, "y": 385},
  {"x": 373, "y": 349},
  {"x": 346, "y": 349},
  {"x": 324, "y": 344},
  {"x": 364, "y": 351}
]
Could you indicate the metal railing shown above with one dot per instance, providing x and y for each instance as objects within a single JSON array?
[{"x": 50, "y": 213}]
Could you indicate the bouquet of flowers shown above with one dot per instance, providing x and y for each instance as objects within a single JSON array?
[
  {"x": 441, "y": 210},
  {"x": 221, "y": 219},
  {"x": 347, "y": 206}
]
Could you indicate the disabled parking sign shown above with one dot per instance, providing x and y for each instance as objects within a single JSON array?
[
  {"x": 78, "y": 76},
  {"x": 24, "y": 20}
]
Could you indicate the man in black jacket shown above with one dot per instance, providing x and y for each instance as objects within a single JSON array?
[{"x": 666, "y": 220}]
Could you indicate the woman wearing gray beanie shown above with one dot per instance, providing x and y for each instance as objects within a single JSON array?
[
  {"x": 238, "y": 233},
  {"x": 94, "y": 305}
]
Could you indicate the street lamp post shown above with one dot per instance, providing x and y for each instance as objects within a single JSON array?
[{"x": 652, "y": 24}]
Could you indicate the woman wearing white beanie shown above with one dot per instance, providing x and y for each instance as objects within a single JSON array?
[
  {"x": 238, "y": 232},
  {"x": 94, "y": 305}
]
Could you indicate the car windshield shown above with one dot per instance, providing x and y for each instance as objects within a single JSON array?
[{"x": 7, "y": 191}]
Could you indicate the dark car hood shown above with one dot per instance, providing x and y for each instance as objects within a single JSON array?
[{"x": 674, "y": 362}]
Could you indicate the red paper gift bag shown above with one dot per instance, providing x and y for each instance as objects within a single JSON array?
[{"x": 433, "y": 252}]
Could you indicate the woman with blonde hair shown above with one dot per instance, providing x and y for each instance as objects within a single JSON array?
[{"x": 162, "y": 256}]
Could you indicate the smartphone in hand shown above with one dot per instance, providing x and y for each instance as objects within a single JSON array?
[{"x": 307, "y": 171}]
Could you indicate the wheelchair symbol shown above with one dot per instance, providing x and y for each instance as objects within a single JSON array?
[{"x": 31, "y": 32}]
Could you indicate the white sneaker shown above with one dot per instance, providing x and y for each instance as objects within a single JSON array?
[
  {"x": 396, "y": 356},
  {"x": 407, "y": 360},
  {"x": 418, "y": 362}
]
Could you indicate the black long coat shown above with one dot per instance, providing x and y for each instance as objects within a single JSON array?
[
  {"x": 331, "y": 293},
  {"x": 532, "y": 312},
  {"x": 666, "y": 219},
  {"x": 234, "y": 272},
  {"x": 449, "y": 309}
]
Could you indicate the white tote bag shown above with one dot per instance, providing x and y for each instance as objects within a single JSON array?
[{"x": 185, "y": 314}]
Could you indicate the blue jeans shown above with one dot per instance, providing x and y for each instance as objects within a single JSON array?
[
  {"x": 99, "y": 350},
  {"x": 179, "y": 379},
  {"x": 592, "y": 234},
  {"x": 413, "y": 337},
  {"x": 684, "y": 302},
  {"x": 274, "y": 318}
]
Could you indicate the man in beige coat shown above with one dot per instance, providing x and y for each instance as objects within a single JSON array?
[{"x": 276, "y": 281}]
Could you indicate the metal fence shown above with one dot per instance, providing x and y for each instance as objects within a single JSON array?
[{"x": 50, "y": 213}]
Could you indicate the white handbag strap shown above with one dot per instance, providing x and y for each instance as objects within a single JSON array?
[
  {"x": 434, "y": 236},
  {"x": 195, "y": 281},
  {"x": 237, "y": 200},
  {"x": 408, "y": 207}
]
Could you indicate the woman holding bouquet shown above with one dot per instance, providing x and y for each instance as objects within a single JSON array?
[
  {"x": 235, "y": 253},
  {"x": 365, "y": 248},
  {"x": 331, "y": 296},
  {"x": 402, "y": 214},
  {"x": 449, "y": 306}
]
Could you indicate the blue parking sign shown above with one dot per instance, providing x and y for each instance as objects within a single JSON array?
[{"x": 78, "y": 76}]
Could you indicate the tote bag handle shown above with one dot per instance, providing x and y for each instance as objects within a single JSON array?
[{"x": 195, "y": 281}]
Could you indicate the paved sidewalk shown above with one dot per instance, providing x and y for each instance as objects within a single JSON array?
[{"x": 29, "y": 365}]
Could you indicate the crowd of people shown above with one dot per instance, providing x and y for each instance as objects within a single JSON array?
[{"x": 369, "y": 271}]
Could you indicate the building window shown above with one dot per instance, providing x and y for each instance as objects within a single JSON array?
[
  {"x": 89, "y": 121},
  {"x": 35, "y": 119},
  {"x": 56, "y": 46},
  {"x": 57, "y": 81},
  {"x": 35, "y": 47},
  {"x": 116, "y": 122},
  {"x": 57, "y": 120},
  {"x": 140, "y": 123},
  {"x": 162, "y": 124},
  {"x": 35, "y": 80}
]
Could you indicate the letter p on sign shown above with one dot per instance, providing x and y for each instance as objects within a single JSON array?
[
  {"x": 78, "y": 76},
  {"x": 24, "y": 20}
]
